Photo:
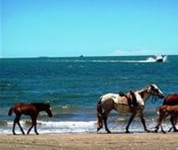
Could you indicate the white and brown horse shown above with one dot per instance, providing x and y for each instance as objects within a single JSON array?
[{"x": 133, "y": 102}]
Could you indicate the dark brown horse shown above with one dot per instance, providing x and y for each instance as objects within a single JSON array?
[
  {"x": 171, "y": 100},
  {"x": 133, "y": 102},
  {"x": 32, "y": 110}
]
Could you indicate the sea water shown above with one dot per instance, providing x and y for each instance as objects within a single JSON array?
[{"x": 73, "y": 85}]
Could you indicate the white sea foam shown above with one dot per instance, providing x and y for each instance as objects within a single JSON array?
[
  {"x": 56, "y": 127},
  {"x": 69, "y": 126},
  {"x": 64, "y": 127}
]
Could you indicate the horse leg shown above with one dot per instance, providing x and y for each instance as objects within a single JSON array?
[
  {"x": 105, "y": 124},
  {"x": 99, "y": 123},
  {"x": 170, "y": 129},
  {"x": 143, "y": 122},
  {"x": 172, "y": 119},
  {"x": 21, "y": 128},
  {"x": 30, "y": 129},
  {"x": 13, "y": 128},
  {"x": 31, "y": 125},
  {"x": 160, "y": 119},
  {"x": 18, "y": 122},
  {"x": 162, "y": 129},
  {"x": 35, "y": 127},
  {"x": 130, "y": 120},
  {"x": 157, "y": 126}
]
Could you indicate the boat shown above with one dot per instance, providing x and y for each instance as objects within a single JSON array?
[{"x": 160, "y": 58}]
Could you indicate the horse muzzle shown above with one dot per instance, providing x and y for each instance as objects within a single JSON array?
[
  {"x": 161, "y": 96},
  {"x": 50, "y": 114}
]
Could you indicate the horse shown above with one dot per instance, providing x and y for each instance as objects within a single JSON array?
[
  {"x": 31, "y": 109},
  {"x": 133, "y": 102},
  {"x": 171, "y": 100},
  {"x": 163, "y": 112}
]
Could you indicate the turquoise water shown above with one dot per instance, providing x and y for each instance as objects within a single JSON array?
[{"x": 73, "y": 85}]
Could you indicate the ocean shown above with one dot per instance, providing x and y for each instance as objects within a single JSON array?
[{"x": 73, "y": 85}]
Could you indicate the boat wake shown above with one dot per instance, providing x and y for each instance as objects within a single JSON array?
[
  {"x": 157, "y": 59},
  {"x": 148, "y": 60}
]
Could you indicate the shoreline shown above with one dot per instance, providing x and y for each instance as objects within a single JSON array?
[{"x": 90, "y": 141}]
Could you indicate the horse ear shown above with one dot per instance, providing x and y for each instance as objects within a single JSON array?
[
  {"x": 149, "y": 87},
  {"x": 47, "y": 103}
]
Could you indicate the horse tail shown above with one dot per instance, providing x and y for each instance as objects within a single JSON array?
[
  {"x": 99, "y": 115},
  {"x": 10, "y": 111}
]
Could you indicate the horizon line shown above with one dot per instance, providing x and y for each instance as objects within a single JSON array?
[{"x": 83, "y": 56}]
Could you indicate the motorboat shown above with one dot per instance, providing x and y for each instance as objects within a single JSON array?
[{"x": 159, "y": 58}]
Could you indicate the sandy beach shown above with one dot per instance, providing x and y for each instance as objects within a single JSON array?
[{"x": 140, "y": 141}]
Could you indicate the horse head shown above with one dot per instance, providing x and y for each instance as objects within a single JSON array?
[
  {"x": 155, "y": 91},
  {"x": 44, "y": 107},
  {"x": 48, "y": 110}
]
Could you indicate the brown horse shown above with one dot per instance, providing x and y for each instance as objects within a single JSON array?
[
  {"x": 165, "y": 111},
  {"x": 32, "y": 110},
  {"x": 171, "y": 100},
  {"x": 133, "y": 102}
]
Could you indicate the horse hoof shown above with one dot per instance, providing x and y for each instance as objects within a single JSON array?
[
  {"x": 109, "y": 132},
  {"x": 127, "y": 131},
  {"x": 98, "y": 130},
  {"x": 155, "y": 131},
  {"x": 148, "y": 131}
]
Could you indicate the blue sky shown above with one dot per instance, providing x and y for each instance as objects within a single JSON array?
[{"x": 32, "y": 28}]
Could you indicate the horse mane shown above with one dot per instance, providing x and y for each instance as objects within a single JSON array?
[
  {"x": 41, "y": 105},
  {"x": 141, "y": 92}
]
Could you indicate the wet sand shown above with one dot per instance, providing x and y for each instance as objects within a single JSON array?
[{"x": 140, "y": 141}]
